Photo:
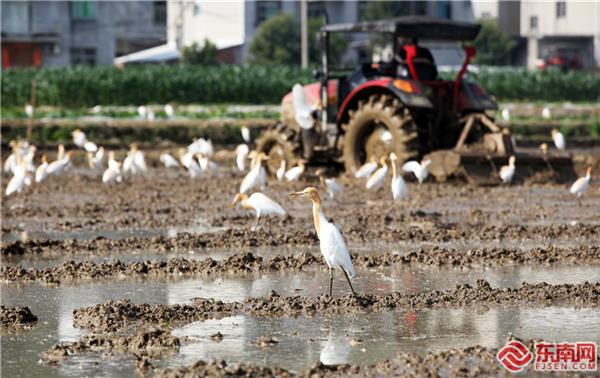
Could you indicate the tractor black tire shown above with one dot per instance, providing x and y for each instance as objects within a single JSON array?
[
  {"x": 369, "y": 122},
  {"x": 278, "y": 144}
]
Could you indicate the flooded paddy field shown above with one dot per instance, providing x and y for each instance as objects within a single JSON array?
[{"x": 159, "y": 276}]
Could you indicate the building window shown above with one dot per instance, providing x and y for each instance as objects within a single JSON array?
[
  {"x": 533, "y": 23},
  {"x": 266, "y": 10},
  {"x": 15, "y": 17},
  {"x": 160, "y": 12},
  {"x": 561, "y": 9},
  {"x": 444, "y": 9},
  {"x": 83, "y": 55},
  {"x": 83, "y": 10},
  {"x": 362, "y": 10},
  {"x": 196, "y": 9},
  {"x": 315, "y": 9}
]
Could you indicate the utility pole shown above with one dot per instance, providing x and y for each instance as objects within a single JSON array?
[{"x": 304, "y": 33}]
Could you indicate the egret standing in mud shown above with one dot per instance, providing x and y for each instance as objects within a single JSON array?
[
  {"x": 378, "y": 178},
  {"x": 507, "y": 172},
  {"x": 559, "y": 140},
  {"x": 260, "y": 203},
  {"x": 399, "y": 189},
  {"x": 420, "y": 170},
  {"x": 333, "y": 247},
  {"x": 580, "y": 186},
  {"x": 257, "y": 175},
  {"x": 366, "y": 169},
  {"x": 329, "y": 184}
]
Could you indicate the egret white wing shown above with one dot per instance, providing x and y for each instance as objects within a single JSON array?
[
  {"x": 366, "y": 170},
  {"x": 377, "y": 179},
  {"x": 293, "y": 173},
  {"x": 399, "y": 189},
  {"x": 332, "y": 187},
  {"x": 265, "y": 204},
  {"x": 139, "y": 161},
  {"x": 559, "y": 141},
  {"x": 412, "y": 166},
  {"x": 90, "y": 147},
  {"x": 334, "y": 248}
]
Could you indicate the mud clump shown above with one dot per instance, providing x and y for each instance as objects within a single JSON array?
[
  {"x": 248, "y": 262},
  {"x": 265, "y": 341},
  {"x": 146, "y": 343},
  {"x": 466, "y": 362},
  {"x": 113, "y": 316},
  {"x": 220, "y": 368},
  {"x": 20, "y": 316}
]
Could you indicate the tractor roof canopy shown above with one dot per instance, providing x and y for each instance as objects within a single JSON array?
[{"x": 420, "y": 27}]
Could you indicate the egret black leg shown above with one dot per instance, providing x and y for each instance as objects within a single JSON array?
[
  {"x": 348, "y": 279},
  {"x": 330, "y": 281}
]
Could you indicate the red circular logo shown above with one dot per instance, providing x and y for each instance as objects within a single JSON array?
[{"x": 514, "y": 356}]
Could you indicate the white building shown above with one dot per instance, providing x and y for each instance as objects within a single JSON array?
[
  {"x": 550, "y": 28},
  {"x": 232, "y": 24}
]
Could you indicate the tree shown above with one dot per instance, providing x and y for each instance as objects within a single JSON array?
[
  {"x": 277, "y": 41},
  {"x": 196, "y": 54},
  {"x": 493, "y": 45}
]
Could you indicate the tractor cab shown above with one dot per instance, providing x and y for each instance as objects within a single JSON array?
[{"x": 403, "y": 105}]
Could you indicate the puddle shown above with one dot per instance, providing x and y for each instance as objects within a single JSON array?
[
  {"x": 304, "y": 341},
  {"x": 54, "y": 307}
]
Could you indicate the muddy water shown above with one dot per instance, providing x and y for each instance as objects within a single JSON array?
[
  {"x": 54, "y": 307},
  {"x": 368, "y": 339}
]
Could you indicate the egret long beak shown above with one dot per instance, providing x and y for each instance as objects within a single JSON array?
[
  {"x": 232, "y": 204},
  {"x": 296, "y": 194}
]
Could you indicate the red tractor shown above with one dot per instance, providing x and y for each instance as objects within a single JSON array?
[{"x": 401, "y": 106}]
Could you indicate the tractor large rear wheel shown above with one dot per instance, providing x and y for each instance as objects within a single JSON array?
[
  {"x": 278, "y": 144},
  {"x": 379, "y": 126}
]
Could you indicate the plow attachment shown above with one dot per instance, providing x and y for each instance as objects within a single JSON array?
[{"x": 481, "y": 162}]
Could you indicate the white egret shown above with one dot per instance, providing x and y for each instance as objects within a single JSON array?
[
  {"x": 29, "y": 110},
  {"x": 281, "y": 170},
  {"x": 95, "y": 160},
  {"x": 61, "y": 152},
  {"x": 419, "y": 170},
  {"x": 80, "y": 140},
  {"x": 580, "y": 186},
  {"x": 241, "y": 153},
  {"x": 505, "y": 114},
  {"x": 302, "y": 111},
  {"x": 169, "y": 111},
  {"x": 559, "y": 140},
  {"x": 168, "y": 160},
  {"x": 41, "y": 173},
  {"x": 206, "y": 164},
  {"x": 150, "y": 115},
  {"x": 97, "y": 109},
  {"x": 546, "y": 114},
  {"x": 333, "y": 247},
  {"x": 142, "y": 111},
  {"x": 113, "y": 172},
  {"x": 19, "y": 179},
  {"x": 378, "y": 178},
  {"x": 294, "y": 173},
  {"x": 399, "y": 189},
  {"x": 366, "y": 170},
  {"x": 201, "y": 146},
  {"x": 329, "y": 184},
  {"x": 134, "y": 162},
  {"x": 246, "y": 134},
  {"x": 10, "y": 162},
  {"x": 28, "y": 159},
  {"x": 507, "y": 172},
  {"x": 188, "y": 161},
  {"x": 260, "y": 203},
  {"x": 59, "y": 166},
  {"x": 255, "y": 176}
]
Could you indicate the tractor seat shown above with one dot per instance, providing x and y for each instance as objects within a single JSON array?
[{"x": 426, "y": 70}]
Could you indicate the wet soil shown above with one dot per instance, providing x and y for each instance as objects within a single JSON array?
[
  {"x": 473, "y": 361},
  {"x": 17, "y": 317},
  {"x": 248, "y": 262},
  {"x": 151, "y": 342},
  {"x": 112, "y": 316},
  {"x": 163, "y": 200}
]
